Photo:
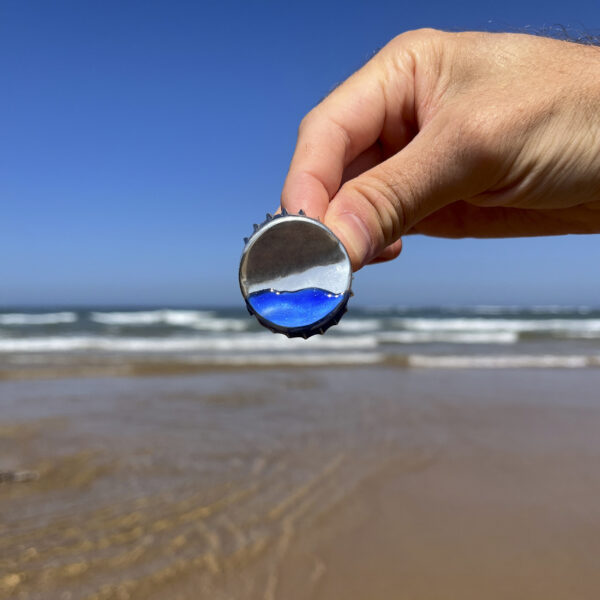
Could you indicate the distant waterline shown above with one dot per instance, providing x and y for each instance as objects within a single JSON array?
[{"x": 444, "y": 337}]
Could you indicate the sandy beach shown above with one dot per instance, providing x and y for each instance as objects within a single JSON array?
[{"x": 370, "y": 482}]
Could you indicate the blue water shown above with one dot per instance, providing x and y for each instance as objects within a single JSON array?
[{"x": 294, "y": 309}]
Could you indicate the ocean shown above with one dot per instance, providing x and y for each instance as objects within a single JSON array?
[{"x": 416, "y": 337}]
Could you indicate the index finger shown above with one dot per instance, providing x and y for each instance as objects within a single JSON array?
[{"x": 342, "y": 126}]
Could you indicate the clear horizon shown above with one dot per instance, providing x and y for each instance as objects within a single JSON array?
[{"x": 37, "y": 308}]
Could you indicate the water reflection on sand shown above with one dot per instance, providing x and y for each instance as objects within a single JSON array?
[{"x": 334, "y": 483}]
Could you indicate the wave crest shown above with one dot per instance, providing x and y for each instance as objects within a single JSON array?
[{"x": 38, "y": 319}]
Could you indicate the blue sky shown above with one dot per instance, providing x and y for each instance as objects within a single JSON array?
[{"x": 140, "y": 141}]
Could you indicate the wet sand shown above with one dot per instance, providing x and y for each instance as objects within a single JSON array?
[{"x": 365, "y": 483}]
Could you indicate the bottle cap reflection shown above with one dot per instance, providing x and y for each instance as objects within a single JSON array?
[{"x": 295, "y": 275}]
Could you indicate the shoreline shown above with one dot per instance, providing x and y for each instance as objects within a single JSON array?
[{"x": 168, "y": 366}]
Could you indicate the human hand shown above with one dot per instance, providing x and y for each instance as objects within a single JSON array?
[{"x": 454, "y": 135}]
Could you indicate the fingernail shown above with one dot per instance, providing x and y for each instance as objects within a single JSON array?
[{"x": 354, "y": 234}]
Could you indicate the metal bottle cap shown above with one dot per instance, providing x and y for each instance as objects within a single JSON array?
[{"x": 295, "y": 275}]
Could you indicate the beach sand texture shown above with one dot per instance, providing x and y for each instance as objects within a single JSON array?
[{"x": 366, "y": 483}]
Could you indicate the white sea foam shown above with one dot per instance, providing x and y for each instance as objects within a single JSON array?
[
  {"x": 581, "y": 335},
  {"x": 542, "y": 309},
  {"x": 222, "y": 324},
  {"x": 504, "y": 361},
  {"x": 560, "y": 309},
  {"x": 358, "y": 325},
  {"x": 37, "y": 319},
  {"x": 449, "y": 337},
  {"x": 551, "y": 326},
  {"x": 294, "y": 359},
  {"x": 250, "y": 343},
  {"x": 195, "y": 319},
  {"x": 150, "y": 317}
]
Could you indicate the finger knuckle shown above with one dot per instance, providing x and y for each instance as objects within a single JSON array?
[
  {"x": 383, "y": 199},
  {"x": 415, "y": 36},
  {"x": 306, "y": 121}
]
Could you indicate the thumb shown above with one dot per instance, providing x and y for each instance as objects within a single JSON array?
[{"x": 373, "y": 210}]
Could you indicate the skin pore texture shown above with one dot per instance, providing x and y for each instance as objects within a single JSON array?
[{"x": 454, "y": 135}]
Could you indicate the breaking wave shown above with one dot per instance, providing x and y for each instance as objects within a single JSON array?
[
  {"x": 55, "y": 318},
  {"x": 195, "y": 319}
]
